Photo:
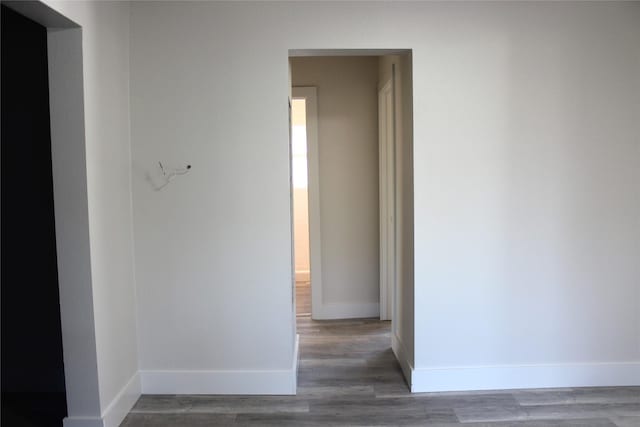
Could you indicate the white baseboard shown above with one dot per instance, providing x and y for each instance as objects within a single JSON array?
[
  {"x": 296, "y": 363},
  {"x": 329, "y": 311},
  {"x": 403, "y": 357},
  {"x": 120, "y": 406},
  {"x": 303, "y": 276},
  {"x": 525, "y": 376},
  {"x": 218, "y": 382},
  {"x": 115, "y": 412},
  {"x": 276, "y": 382}
]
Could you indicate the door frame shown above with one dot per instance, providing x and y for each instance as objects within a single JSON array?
[
  {"x": 310, "y": 95},
  {"x": 387, "y": 191},
  {"x": 71, "y": 209}
]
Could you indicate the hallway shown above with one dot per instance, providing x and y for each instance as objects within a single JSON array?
[{"x": 348, "y": 376}]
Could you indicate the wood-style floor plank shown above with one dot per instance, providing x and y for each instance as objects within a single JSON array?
[{"x": 348, "y": 376}]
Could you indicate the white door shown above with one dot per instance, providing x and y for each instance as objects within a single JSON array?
[{"x": 386, "y": 131}]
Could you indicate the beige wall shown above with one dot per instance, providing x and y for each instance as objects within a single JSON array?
[
  {"x": 348, "y": 147},
  {"x": 403, "y": 321}
]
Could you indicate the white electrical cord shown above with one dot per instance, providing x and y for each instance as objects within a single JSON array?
[{"x": 168, "y": 176}]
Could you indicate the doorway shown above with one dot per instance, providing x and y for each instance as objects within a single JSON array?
[
  {"x": 344, "y": 203},
  {"x": 352, "y": 199},
  {"x": 33, "y": 381},
  {"x": 345, "y": 224},
  {"x": 66, "y": 168},
  {"x": 299, "y": 174},
  {"x": 306, "y": 200}
]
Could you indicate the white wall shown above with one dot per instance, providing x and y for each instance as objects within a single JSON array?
[
  {"x": 213, "y": 249},
  {"x": 348, "y": 148},
  {"x": 527, "y": 211},
  {"x": 526, "y": 161},
  {"x": 110, "y": 280}
]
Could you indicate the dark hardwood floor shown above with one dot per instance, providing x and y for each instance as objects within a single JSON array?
[{"x": 348, "y": 376}]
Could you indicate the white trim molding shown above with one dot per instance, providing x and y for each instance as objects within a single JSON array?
[
  {"x": 296, "y": 363},
  {"x": 525, "y": 376},
  {"x": 246, "y": 382},
  {"x": 117, "y": 410},
  {"x": 403, "y": 357},
  {"x": 218, "y": 382},
  {"x": 82, "y": 422},
  {"x": 508, "y": 377},
  {"x": 327, "y": 311}
]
